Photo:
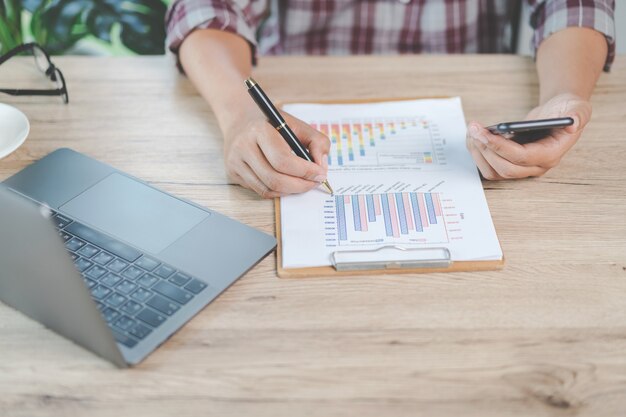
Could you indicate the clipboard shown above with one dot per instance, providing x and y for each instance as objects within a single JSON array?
[{"x": 398, "y": 259}]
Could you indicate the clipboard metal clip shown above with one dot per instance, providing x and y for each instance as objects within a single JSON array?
[{"x": 391, "y": 257}]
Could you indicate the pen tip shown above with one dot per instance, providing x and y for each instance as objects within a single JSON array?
[{"x": 328, "y": 187}]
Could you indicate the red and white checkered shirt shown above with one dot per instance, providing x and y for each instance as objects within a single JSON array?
[{"x": 342, "y": 27}]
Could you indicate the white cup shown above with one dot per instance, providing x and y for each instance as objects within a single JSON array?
[{"x": 14, "y": 128}]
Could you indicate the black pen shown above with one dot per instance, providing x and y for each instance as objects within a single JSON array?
[{"x": 276, "y": 120}]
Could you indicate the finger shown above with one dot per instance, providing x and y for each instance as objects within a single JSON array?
[
  {"x": 483, "y": 166},
  {"x": 539, "y": 153},
  {"x": 507, "y": 170},
  {"x": 251, "y": 181},
  {"x": 274, "y": 180},
  {"x": 283, "y": 160},
  {"x": 317, "y": 143}
]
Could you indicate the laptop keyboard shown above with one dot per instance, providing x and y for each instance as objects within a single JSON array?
[{"x": 134, "y": 292}]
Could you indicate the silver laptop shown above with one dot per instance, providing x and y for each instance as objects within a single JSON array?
[{"x": 110, "y": 262}]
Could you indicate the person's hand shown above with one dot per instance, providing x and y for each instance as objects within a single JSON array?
[
  {"x": 258, "y": 158},
  {"x": 498, "y": 158}
]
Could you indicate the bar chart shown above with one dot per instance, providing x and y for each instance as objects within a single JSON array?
[
  {"x": 400, "y": 217},
  {"x": 382, "y": 142}
]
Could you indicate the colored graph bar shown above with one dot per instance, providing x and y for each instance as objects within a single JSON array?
[
  {"x": 422, "y": 206},
  {"x": 341, "y": 217},
  {"x": 416, "y": 213},
  {"x": 381, "y": 128},
  {"x": 401, "y": 214},
  {"x": 346, "y": 199},
  {"x": 392, "y": 128},
  {"x": 394, "y": 217},
  {"x": 355, "y": 213},
  {"x": 387, "y": 215},
  {"x": 407, "y": 210},
  {"x": 369, "y": 128},
  {"x": 371, "y": 211},
  {"x": 358, "y": 130},
  {"x": 323, "y": 127},
  {"x": 334, "y": 138},
  {"x": 431, "y": 208},
  {"x": 363, "y": 212},
  {"x": 377, "y": 204},
  {"x": 438, "y": 211},
  {"x": 347, "y": 136}
]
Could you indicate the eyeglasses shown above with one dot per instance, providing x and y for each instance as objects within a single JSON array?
[{"x": 46, "y": 66}]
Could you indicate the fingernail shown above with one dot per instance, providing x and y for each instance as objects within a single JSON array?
[
  {"x": 320, "y": 178},
  {"x": 473, "y": 129},
  {"x": 481, "y": 138}
]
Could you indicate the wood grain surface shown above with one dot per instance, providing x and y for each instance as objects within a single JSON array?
[{"x": 546, "y": 336}]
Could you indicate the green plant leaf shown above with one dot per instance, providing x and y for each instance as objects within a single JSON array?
[{"x": 61, "y": 23}]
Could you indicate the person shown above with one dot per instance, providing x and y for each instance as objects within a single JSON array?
[{"x": 217, "y": 43}]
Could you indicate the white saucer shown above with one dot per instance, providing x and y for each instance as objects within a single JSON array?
[{"x": 14, "y": 128}]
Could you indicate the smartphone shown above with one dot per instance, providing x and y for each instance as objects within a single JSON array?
[{"x": 529, "y": 130}]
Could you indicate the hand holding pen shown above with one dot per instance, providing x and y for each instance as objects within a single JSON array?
[{"x": 278, "y": 122}]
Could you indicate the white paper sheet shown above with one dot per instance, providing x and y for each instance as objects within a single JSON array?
[{"x": 402, "y": 176}]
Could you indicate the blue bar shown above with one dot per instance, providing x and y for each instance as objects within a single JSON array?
[
  {"x": 362, "y": 152},
  {"x": 340, "y": 160},
  {"x": 431, "y": 208},
  {"x": 416, "y": 213},
  {"x": 329, "y": 159},
  {"x": 402, "y": 214},
  {"x": 371, "y": 213},
  {"x": 356, "y": 212},
  {"x": 387, "y": 216},
  {"x": 341, "y": 217}
]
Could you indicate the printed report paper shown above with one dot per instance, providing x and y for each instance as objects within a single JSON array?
[{"x": 402, "y": 176}]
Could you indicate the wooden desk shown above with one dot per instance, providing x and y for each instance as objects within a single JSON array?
[{"x": 544, "y": 337}]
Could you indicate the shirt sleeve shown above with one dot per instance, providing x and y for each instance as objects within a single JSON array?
[
  {"x": 550, "y": 16},
  {"x": 241, "y": 17}
]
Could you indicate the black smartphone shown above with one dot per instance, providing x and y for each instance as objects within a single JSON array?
[{"x": 529, "y": 130}]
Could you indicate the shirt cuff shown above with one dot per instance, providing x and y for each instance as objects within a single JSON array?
[
  {"x": 185, "y": 16},
  {"x": 551, "y": 16}
]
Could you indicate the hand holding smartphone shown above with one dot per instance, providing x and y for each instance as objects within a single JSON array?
[{"x": 528, "y": 131}]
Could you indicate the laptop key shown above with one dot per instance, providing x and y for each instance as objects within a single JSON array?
[
  {"x": 141, "y": 295},
  {"x": 65, "y": 236},
  {"x": 140, "y": 331},
  {"x": 173, "y": 292},
  {"x": 96, "y": 272},
  {"x": 102, "y": 258},
  {"x": 126, "y": 287},
  {"x": 147, "y": 280},
  {"x": 88, "y": 251},
  {"x": 111, "y": 279},
  {"x": 74, "y": 244},
  {"x": 180, "y": 279},
  {"x": 115, "y": 300},
  {"x": 147, "y": 263},
  {"x": 60, "y": 221},
  {"x": 110, "y": 245},
  {"x": 151, "y": 317},
  {"x": 163, "y": 305},
  {"x": 123, "y": 339},
  {"x": 195, "y": 286},
  {"x": 90, "y": 283},
  {"x": 164, "y": 271},
  {"x": 132, "y": 272},
  {"x": 132, "y": 307},
  {"x": 82, "y": 264},
  {"x": 100, "y": 291},
  {"x": 117, "y": 265},
  {"x": 125, "y": 323},
  {"x": 110, "y": 314}
]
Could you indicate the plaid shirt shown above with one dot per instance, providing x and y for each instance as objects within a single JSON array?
[{"x": 342, "y": 27}]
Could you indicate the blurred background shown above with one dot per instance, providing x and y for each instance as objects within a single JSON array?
[
  {"x": 127, "y": 27},
  {"x": 100, "y": 27}
]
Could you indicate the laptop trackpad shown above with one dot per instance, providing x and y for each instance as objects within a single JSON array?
[{"x": 135, "y": 213}]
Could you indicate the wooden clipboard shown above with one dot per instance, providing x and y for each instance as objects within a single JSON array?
[{"x": 327, "y": 271}]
